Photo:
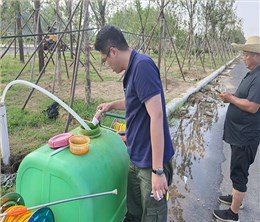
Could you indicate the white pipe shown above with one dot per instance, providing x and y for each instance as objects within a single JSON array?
[
  {"x": 47, "y": 93},
  {"x": 4, "y": 131},
  {"x": 4, "y": 142}
]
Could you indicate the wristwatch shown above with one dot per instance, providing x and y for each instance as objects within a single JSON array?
[{"x": 158, "y": 171}]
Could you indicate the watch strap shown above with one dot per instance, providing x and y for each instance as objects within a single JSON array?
[{"x": 158, "y": 171}]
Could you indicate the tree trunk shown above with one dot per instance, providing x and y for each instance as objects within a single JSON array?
[
  {"x": 58, "y": 50},
  {"x": 15, "y": 28},
  {"x": 70, "y": 28},
  {"x": 161, "y": 34},
  {"x": 39, "y": 38},
  {"x": 19, "y": 31},
  {"x": 143, "y": 22},
  {"x": 87, "y": 50}
]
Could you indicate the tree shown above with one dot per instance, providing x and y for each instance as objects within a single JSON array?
[
  {"x": 99, "y": 9},
  {"x": 68, "y": 5},
  {"x": 87, "y": 50},
  {"x": 191, "y": 7},
  {"x": 237, "y": 36},
  {"x": 143, "y": 21},
  {"x": 37, "y": 19},
  {"x": 18, "y": 16}
]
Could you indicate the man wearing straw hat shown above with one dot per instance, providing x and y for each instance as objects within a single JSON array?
[{"x": 242, "y": 128}]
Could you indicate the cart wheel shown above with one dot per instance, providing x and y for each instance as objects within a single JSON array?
[
  {"x": 10, "y": 199},
  {"x": 42, "y": 215}
]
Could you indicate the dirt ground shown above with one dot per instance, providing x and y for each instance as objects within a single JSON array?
[
  {"x": 113, "y": 89},
  {"x": 174, "y": 87}
]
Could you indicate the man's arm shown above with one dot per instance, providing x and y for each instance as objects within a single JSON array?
[
  {"x": 243, "y": 104},
  {"x": 154, "y": 109}
]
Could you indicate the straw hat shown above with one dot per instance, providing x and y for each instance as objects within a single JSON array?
[{"x": 252, "y": 45}]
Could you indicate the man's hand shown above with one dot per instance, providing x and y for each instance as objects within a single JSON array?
[
  {"x": 226, "y": 97},
  {"x": 159, "y": 186},
  {"x": 117, "y": 105},
  {"x": 104, "y": 107},
  {"x": 243, "y": 104}
]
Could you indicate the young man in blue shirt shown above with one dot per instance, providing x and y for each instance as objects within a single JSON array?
[{"x": 148, "y": 139}]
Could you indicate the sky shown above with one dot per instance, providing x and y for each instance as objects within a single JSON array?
[{"x": 249, "y": 12}]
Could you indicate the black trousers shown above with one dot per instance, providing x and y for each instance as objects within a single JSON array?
[{"x": 241, "y": 159}]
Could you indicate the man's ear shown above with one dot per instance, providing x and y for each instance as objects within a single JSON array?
[{"x": 113, "y": 50}]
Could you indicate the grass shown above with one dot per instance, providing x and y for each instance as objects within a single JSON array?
[{"x": 28, "y": 129}]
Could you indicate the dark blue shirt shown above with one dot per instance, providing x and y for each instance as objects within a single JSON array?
[
  {"x": 241, "y": 127},
  {"x": 141, "y": 82}
]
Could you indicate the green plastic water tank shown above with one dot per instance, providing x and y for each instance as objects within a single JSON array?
[{"x": 42, "y": 178}]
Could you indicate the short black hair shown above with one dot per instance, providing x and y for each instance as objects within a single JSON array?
[{"x": 110, "y": 36}]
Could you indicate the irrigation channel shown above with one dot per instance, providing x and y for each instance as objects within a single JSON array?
[{"x": 201, "y": 161}]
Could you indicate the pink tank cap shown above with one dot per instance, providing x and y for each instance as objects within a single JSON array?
[{"x": 59, "y": 140}]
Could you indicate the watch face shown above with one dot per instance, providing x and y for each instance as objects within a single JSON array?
[{"x": 159, "y": 171}]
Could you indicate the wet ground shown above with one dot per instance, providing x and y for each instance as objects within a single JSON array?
[{"x": 201, "y": 161}]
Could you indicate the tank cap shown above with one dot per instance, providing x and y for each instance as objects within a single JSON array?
[{"x": 59, "y": 140}]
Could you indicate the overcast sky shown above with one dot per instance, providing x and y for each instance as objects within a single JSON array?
[{"x": 249, "y": 11}]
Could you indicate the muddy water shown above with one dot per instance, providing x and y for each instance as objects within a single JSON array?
[{"x": 197, "y": 135}]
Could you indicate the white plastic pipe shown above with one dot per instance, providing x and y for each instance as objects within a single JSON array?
[
  {"x": 5, "y": 150},
  {"x": 4, "y": 142},
  {"x": 47, "y": 93}
]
